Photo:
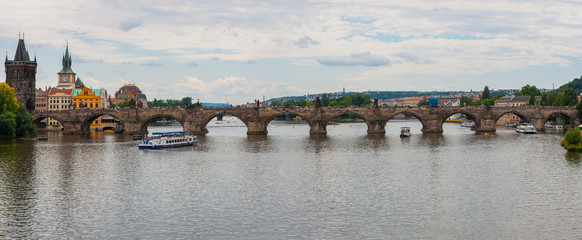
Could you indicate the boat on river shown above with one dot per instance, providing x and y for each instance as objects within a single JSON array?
[
  {"x": 405, "y": 132},
  {"x": 526, "y": 128},
  {"x": 468, "y": 123},
  {"x": 167, "y": 140}
]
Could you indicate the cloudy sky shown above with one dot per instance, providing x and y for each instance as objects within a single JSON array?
[{"x": 237, "y": 51}]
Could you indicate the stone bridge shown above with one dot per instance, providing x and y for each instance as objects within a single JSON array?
[{"x": 194, "y": 120}]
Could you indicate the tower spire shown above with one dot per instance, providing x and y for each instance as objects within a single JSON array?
[
  {"x": 21, "y": 52},
  {"x": 67, "y": 62}
]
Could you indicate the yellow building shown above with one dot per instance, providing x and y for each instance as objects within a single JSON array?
[
  {"x": 58, "y": 100},
  {"x": 86, "y": 98}
]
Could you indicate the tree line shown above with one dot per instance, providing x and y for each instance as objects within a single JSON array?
[
  {"x": 357, "y": 100},
  {"x": 171, "y": 103}
]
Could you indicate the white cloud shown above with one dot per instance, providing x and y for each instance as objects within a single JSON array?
[
  {"x": 359, "y": 59},
  {"x": 393, "y": 41}
]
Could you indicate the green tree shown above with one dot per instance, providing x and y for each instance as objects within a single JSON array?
[
  {"x": 8, "y": 109},
  {"x": 325, "y": 100},
  {"x": 23, "y": 121},
  {"x": 576, "y": 84},
  {"x": 465, "y": 101},
  {"x": 186, "y": 101},
  {"x": 367, "y": 101},
  {"x": 7, "y": 125},
  {"x": 357, "y": 100},
  {"x": 8, "y": 102},
  {"x": 124, "y": 104},
  {"x": 570, "y": 97},
  {"x": 532, "y": 100},
  {"x": 528, "y": 90},
  {"x": 485, "y": 94},
  {"x": 289, "y": 103},
  {"x": 579, "y": 108},
  {"x": 423, "y": 102},
  {"x": 476, "y": 103},
  {"x": 345, "y": 102},
  {"x": 573, "y": 136}
]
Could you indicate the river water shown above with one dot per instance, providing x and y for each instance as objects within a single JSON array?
[{"x": 289, "y": 185}]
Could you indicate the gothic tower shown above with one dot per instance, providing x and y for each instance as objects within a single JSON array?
[
  {"x": 66, "y": 75},
  {"x": 21, "y": 75}
]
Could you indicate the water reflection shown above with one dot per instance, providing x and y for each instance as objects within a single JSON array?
[
  {"x": 433, "y": 140},
  {"x": 317, "y": 143},
  {"x": 257, "y": 144},
  {"x": 290, "y": 184},
  {"x": 17, "y": 188},
  {"x": 373, "y": 142},
  {"x": 573, "y": 157}
]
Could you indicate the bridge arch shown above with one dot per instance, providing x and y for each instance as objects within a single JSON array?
[
  {"x": 522, "y": 116},
  {"x": 571, "y": 119},
  {"x": 473, "y": 117},
  {"x": 37, "y": 119},
  {"x": 148, "y": 121},
  {"x": 420, "y": 118},
  {"x": 207, "y": 119},
  {"x": 370, "y": 125},
  {"x": 267, "y": 119},
  {"x": 89, "y": 120},
  {"x": 274, "y": 115}
]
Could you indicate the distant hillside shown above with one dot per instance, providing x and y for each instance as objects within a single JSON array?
[
  {"x": 576, "y": 84},
  {"x": 383, "y": 94}
]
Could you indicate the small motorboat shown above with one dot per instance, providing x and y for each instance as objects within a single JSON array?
[
  {"x": 405, "y": 132},
  {"x": 41, "y": 138}
]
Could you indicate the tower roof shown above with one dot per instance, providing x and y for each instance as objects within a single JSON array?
[
  {"x": 67, "y": 62},
  {"x": 21, "y": 52},
  {"x": 79, "y": 83}
]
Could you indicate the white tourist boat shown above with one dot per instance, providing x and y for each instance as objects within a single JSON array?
[
  {"x": 526, "y": 128},
  {"x": 468, "y": 123},
  {"x": 167, "y": 140},
  {"x": 405, "y": 132}
]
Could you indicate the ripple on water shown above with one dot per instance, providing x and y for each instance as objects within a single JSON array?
[{"x": 289, "y": 184}]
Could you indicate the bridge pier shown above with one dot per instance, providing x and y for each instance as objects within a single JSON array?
[
  {"x": 539, "y": 122},
  {"x": 134, "y": 127},
  {"x": 317, "y": 127},
  {"x": 376, "y": 127},
  {"x": 196, "y": 129},
  {"x": 70, "y": 128},
  {"x": 485, "y": 125},
  {"x": 256, "y": 128},
  {"x": 432, "y": 124}
]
